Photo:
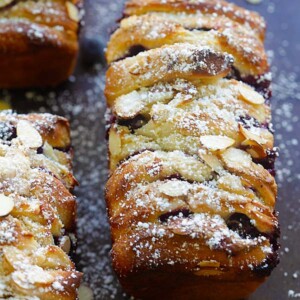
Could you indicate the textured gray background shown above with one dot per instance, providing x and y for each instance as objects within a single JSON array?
[{"x": 82, "y": 101}]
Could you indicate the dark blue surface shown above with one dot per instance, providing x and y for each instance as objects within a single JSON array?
[{"x": 81, "y": 100}]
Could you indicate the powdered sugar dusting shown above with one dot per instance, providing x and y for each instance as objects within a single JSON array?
[{"x": 81, "y": 100}]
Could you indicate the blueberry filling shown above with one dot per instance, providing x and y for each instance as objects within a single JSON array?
[
  {"x": 133, "y": 51},
  {"x": 267, "y": 266},
  {"x": 7, "y": 131},
  {"x": 199, "y": 28},
  {"x": 176, "y": 176},
  {"x": 66, "y": 149},
  {"x": 40, "y": 150},
  {"x": 182, "y": 213},
  {"x": 247, "y": 120},
  {"x": 135, "y": 123},
  {"x": 260, "y": 84},
  {"x": 269, "y": 161},
  {"x": 241, "y": 224}
]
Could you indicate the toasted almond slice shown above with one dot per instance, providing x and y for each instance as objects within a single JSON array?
[
  {"x": 212, "y": 161},
  {"x": 65, "y": 244},
  {"x": 256, "y": 151},
  {"x": 128, "y": 106},
  {"x": 6, "y": 205},
  {"x": 72, "y": 11},
  {"x": 236, "y": 159},
  {"x": 29, "y": 278},
  {"x": 209, "y": 264},
  {"x": 216, "y": 142},
  {"x": 4, "y": 3},
  {"x": 208, "y": 272},
  {"x": 233, "y": 184},
  {"x": 254, "y": 143},
  {"x": 174, "y": 188},
  {"x": 85, "y": 293},
  {"x": 28, "y": 135},
  {"x": 115, "y": 143},
  {"x": 250, "y": 95},
  {"x": 252, "y": 136},
  {"x": 49, "y": 151}
]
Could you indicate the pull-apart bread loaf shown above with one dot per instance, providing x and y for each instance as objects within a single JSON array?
[
  {"x": 37, "y": 210},
  {"x": 191, "y": 193},
  {"x": 222, "y": 26},
  {"x": 38, "y": 42}
]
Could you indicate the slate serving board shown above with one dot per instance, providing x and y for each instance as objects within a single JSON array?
[{"x": 82, "y": 101}]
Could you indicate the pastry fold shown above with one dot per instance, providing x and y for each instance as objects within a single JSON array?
[
  {"x": 38, "y": 42},
  {"x": 191, "y": 193},
  {"x": 37, "y": 209}
]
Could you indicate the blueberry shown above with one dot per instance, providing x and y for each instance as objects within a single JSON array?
[
  {"x": 92, "y": 51},
  {"x": 135, "y": 123},
  {"x": 7, "y": 131},
  {"x": 241, "y": 224},
  {"x": 184, "y": 212}
]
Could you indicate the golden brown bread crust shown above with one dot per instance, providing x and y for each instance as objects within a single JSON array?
[
  {"x": 171, "y": 221},
  {"x": 222, "y": 26},
  {"x": 183, "y": 286},
  {"x": 153, "y": 31},
  {"x": 214, "y": 8},
  {"x": 54, "y": 129},
  {"x": 165, "y": 64},
  {"x": 30, "y": 40},
  {"x": 191, "y": 193},
  {"x": 38, "y": 212},
  {"x": 175, "y": 118}
]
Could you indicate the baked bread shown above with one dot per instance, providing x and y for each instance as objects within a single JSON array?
[
  {"x": 191, "y": 191},
  {"x": 38, "y": 42},
  {"x": 37, "y": 210},
  {"x": 224, "y": 27}
]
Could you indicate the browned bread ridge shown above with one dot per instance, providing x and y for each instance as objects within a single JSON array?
[
  {"x": 38, "y": 42},
  {"x": 37, "y": 209},
  {"x": 191, "y": 193}
]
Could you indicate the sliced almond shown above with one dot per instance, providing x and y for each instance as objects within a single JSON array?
[
  {"x": 236, "y": 159},
  {"x": 49, "y": 151},
  {"x": 115, "y": 143},
  {"x": 6, "y": 205},
  {"x": 179, "y": 230},
  {"x": 13, "y": 258},
  {"x": 4, "y": 3},
  {"x": 208, "y": 272},
  {"x": 175, "y": 188},
  {"x": 85, "y": 293},
  {"x": 216, "y": 142},
  {"x": 212, "y": 161},
  {"x": 254, "y": 143},
  {"x": 28, "y": 135},
  {"x": 72, "y": 11},
  {"x": 233, "y": 184},
  {"x": 65, "y": 244},
  {"x": 7, "y": 170},
  {"x": 256, "y": 151},
  {"x": 251, "y": 96},
  {"x": 209, "y": 264},
  {"x": 128, "y": 106},
  {"x": 35, "y": 275},
  {"x": 248, "y": 135}
]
